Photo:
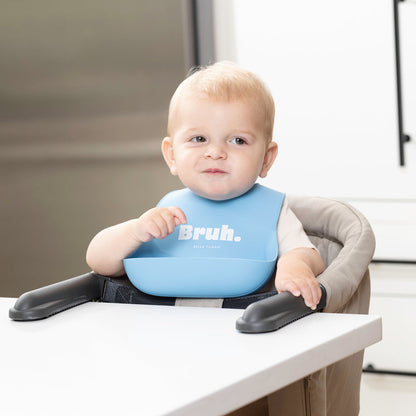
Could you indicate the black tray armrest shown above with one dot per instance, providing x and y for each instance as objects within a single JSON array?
[
  {"x": 275, "y": 312},
  {"x": 49, "y": 300}
]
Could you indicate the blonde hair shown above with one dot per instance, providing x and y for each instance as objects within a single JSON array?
[{"x": 226, "y": 81}]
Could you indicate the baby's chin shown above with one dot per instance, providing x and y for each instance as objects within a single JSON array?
[{"x": 220, "y": 196}]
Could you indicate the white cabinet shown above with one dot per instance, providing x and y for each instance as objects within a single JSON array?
[
  {"x": 331, "y": 68},
  {"x": 393, "y": 296}
]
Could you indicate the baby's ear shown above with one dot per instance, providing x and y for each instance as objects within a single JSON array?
[
  {"x": 167, "y": 151},
  {"x": 269, "y": 158}
]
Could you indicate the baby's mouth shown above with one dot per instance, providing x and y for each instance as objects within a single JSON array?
[{"x": 214, "y": 171}]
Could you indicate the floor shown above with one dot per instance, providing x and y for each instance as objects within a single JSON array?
[
  {"x": 387, "y": 395},
  {"x": 393, "y": 296}
]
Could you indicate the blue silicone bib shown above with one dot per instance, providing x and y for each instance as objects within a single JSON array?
[{"x": 226, "y": 249}]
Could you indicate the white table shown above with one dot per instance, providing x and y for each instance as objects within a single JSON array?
[{"x": 106, "y": 359}]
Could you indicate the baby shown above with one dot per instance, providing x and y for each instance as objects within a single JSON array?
[{"x": 220, "y": 130}]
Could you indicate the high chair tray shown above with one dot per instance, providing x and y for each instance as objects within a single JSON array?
[{"x": 264, "y": 312}]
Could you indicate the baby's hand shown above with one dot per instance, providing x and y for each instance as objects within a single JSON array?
[
  {"x": 158, "y": 222},
  {"x": 296, "y": 271},
  {"x": 303, "y": 284}
]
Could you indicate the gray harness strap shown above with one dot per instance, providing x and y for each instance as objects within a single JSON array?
[{"x": 202, "y": 303}]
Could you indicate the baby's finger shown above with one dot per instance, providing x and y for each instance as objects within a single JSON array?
[
  {"x": 170, "y": 220},
  {"x": 288, "y": 286},
  {"x": 307, "y": 295},
  {"x": 311, "y": 293},
  {"x": 317, "y": 292},
  {"x": 159, "y": 227},
  {"x": 180, "y": 217}
]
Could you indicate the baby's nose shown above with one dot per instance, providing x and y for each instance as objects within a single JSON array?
[{"x": 215, "y": 151}]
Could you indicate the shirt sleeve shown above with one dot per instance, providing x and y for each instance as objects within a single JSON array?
[{"x": 290, "y": 232}]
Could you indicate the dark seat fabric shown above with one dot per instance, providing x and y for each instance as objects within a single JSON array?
[{"x": 121, "y": 290}]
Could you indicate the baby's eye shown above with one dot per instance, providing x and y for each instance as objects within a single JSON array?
[
  {"x": 238, "y": 140},
  {"x": 198, "y": 139}
]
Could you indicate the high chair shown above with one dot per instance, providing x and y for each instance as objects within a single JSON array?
[{"x": 346, "y": 243}]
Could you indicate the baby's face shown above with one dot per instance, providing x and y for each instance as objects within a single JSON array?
[{"x": 218, "y": 149}]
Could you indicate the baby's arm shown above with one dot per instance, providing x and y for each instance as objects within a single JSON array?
[
  {"x": 296, "y": 273},
  {"x": 110, "y": 246}
]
